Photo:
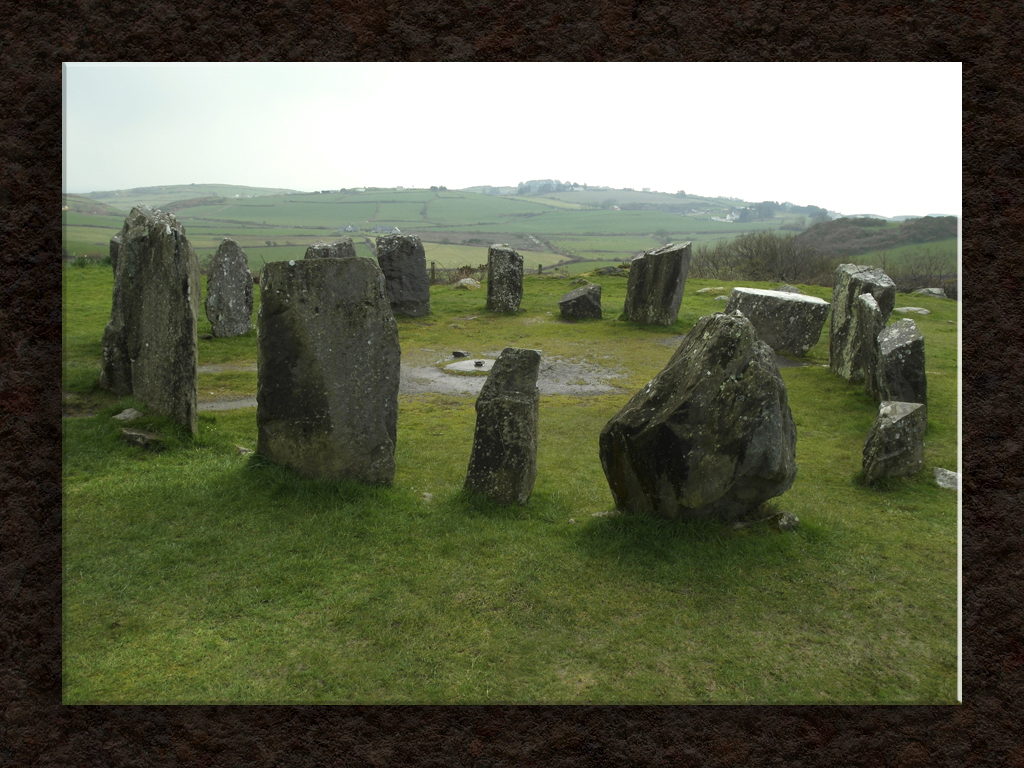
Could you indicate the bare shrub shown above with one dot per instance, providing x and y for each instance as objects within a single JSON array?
[{"x": 763, "y": 256}]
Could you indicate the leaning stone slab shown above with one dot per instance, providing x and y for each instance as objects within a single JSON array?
[
  {"x": 503, "y": 461},
  {"x": 229, "y": 291},
  {"x": 342, "y": 249},
  {"x": 895, "y": 445},
  {"x": 150, "y": 345},
  {"x": 581, "y": 303},
  {"x": 711, "y": 436},
  {"x": 404, "y": 264},
  {"x": 789, "y": 323},
  {"x": 328, "y": 363},
  {"x": 901, "y": 373},
  {"x": 504, "y": 279},
  {"x": 654, "y": 290},
  {"x": 850, "y": 281}
]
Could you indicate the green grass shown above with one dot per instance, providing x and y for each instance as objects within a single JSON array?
[{"x": 200, "y": 575}]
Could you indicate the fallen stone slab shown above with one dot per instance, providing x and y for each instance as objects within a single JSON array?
[
  {"x": 895, "y": 445},
  {"x": 789, "y": 323},
  {"x": 657, "y": 278},
  {"x": 503, "y": 461},
  {"x": 581, "y": 303},
  {"x": 711, "y": 436},
  {"x": 850, "y": 281}
]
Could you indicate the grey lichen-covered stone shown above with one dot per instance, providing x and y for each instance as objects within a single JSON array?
[
  {"x": 789, "y": 323},
  {"x": 328, "y": 363},
  {"x": 865, "y": 325},
  {"x": 404, "y": 264},
  {"x": 850, "y": 281},
  {"x": 467, "y": 284},
  {"x": 945, "y": 478},
  {"x": 342, "y": 249},
  {"x": 115, "y": 246},
  {"x": 711, "y": 436},
  {"x": 504, "y": 279},
  {"x": 901, "y": 374},
  {"x": 150, "y": 346},
  {"x": 503, "y": 461},
  {"x": 581, "y": 303},
  {"x": 895, "y": 445},
  {"x": 654, "y": 290},
  {"x": 229, "y": 291}
]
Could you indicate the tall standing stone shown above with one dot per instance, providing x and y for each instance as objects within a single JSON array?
[
  {"x": 328, "y": 363},
  {"x": 895, "y": 444},
  {"x": 654, "y": 290},
  {"x": 711, "y": 436},
  {"x": 503, "y": 461},
  {"x": 229, "y": 291},
  {"x": 504, "y": 279},
  {"x": 404, "y": 264},
  {"x": 901, "y": 374},
  {"x": 342, "y": 249},
  {"x": 850, "y": 281},
  {"x": 150, "y": 348},
  {"x": 865, "y": 325}
]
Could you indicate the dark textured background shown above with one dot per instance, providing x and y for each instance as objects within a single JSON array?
[{"x": 36, "y": 37}]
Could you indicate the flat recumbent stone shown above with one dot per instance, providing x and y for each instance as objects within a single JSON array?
[{"x": 789, "y": 323}]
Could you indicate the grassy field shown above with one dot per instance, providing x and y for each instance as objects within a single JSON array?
[{"x": 198, "y": 575}]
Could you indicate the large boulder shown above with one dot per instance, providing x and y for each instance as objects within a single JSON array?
[
  {"x": 504, "y": 279},
  {"x": 328, "y": 364},
  {"x": 150, "y": 346},
  {"x": 654, "y": 290},
  {"x": 850, "y": 281},
  {"x": 711, "y": 436},
  {"x": 895, "y": 445},
  {"x": 901, "y": 374},
  {"x": 229, "y": 291},
  {"x": 789, "y": 323},
  {"x": 503, "y": 461},
  {"x": 342, "y": 249},
  {"x": 404, "y": 264},
  {"x": 581, "y": 303}
]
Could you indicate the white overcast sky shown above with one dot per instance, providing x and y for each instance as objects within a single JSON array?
[{"x": 854, "y": 138}]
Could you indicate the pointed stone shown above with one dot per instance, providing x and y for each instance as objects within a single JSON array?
[
  {"x": 229, "y": 292},
  {"x": 895, "y": 445},
  {"x": 654, "y": 290},
  {"x": 503, "y": 461},
  {"x": 150, "y": 345},
  {"x": 711, "y": 436}
]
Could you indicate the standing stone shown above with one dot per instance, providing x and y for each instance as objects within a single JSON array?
[
  {"x": 895, "y": 445},
  {"x": 328, "y": 365},
  {"x": 851, "y": 281},
  {"x": 404, "y": 264},
  {"x": 504, "y": 279},
  {"x": 150, "y": 346},
  {"x": 343, "y": 249},
  {"x": 581, "y": 303},
  {"x": 654, "y": 290},
  {"x": 711, "y": 436},
  {"x": 115, "y": 245},
  {"x": 865, "y": 325},
  {"x": 789, "y": 323},
  {"x": 901, "y": 374},
  {"x": 229, "y": 291},
  {"x": 503, "y": 461}
]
